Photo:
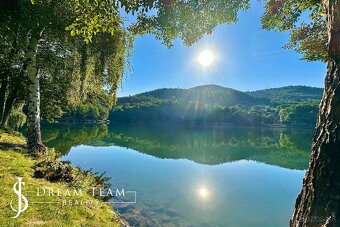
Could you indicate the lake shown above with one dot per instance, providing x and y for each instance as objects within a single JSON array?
[{"x": 193, "y": 176}]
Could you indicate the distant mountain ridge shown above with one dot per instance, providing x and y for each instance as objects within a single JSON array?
[
  {"x": 214, "y": 103},
  {"x": 289, "y": 93},
  {"x": 208, "y": 94},
  {"x": 216, "y": 94}
]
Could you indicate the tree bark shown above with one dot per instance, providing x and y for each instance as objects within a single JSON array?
[
  {"x": 3, "y": 90},
  {"x": 8, "y": 108},
  {"x": 83, "y": 61},
  {"x": 34, "y": 141},
  {"x": 319, "y": 201}
]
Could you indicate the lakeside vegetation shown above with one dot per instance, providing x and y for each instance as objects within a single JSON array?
[
  {"x": 292, "y": 105},
  {"x": 16, "y": 162}
]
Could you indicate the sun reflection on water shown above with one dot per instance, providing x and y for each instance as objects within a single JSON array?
[{"x": 203, "y": 192}]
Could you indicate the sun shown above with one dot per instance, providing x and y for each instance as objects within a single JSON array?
[{"x": 205, "y": 58}]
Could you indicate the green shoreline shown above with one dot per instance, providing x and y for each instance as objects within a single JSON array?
[{"x": 14, "y": 163}]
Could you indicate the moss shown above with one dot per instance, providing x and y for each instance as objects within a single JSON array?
[{"x": 14, "y": 164}]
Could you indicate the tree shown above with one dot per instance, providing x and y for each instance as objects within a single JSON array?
[
  {"x": 300, "y": 113},
  {"x": 55, "y": 57},
  {"x": 32, "y": 22},
  {"x": 11, "y": 70}
]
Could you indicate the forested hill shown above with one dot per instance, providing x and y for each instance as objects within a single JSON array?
[
  {"x": 213, "y": 103},
  {"x": 206, "y": 94},
  {"x": 289, "y": 94}
]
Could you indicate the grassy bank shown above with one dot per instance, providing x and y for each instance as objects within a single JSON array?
[{"x": 14, "y": 162}]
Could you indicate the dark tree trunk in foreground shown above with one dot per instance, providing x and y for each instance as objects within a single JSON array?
[
  {"x": 3, "y": 91},
  {"x": 34, "y": 141},
  {"x": 319, "y": 201},
  {"x": 8, "y": 108}
]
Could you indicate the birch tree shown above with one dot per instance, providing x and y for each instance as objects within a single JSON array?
[{"x": 43, "y": 27}]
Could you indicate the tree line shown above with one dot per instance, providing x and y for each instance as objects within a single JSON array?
[{"x": 216, "y": 104}]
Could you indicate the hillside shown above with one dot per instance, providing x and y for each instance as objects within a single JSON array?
[
  {"x": 213, "y": 103},
  {"x": 289, "y": 94},
  {"x": 207, "y": 94}
]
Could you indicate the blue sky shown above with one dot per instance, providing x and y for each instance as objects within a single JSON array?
[{"x": 247, "y": 58}]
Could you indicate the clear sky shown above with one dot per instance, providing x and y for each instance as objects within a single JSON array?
[{"x": 246, "y": 58}]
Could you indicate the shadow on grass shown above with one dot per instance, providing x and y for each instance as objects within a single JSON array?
[{"x": 11, "y": 146}]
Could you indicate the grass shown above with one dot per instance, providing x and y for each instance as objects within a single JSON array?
[{"x": 13, "y": 164}]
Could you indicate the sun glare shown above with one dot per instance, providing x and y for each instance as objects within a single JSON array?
[{"x": 205, "y": 58}]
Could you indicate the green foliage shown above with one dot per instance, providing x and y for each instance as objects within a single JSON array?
[
  {"x": 17, "y": 118},
  {"x": 93, "y": 110},
  {"x": 212, "y": 103},
  {"x": 301, "y": 113},
  {"x": 310, "y": 40},
  {"x": 187, "y": 20},
  {"x": 102, "y": 16},
  {"x": 93, "y": 17},
  {"x": 308, "y": 36},
  {"x": 71, "y": 72},
  {"x": 86, "y": 78}
]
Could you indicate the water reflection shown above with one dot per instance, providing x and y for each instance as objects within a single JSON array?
[
  {"x": 288, "y": 148},
  {"x": 203, "y": 192},
  {"x": 187, "y": 176}
]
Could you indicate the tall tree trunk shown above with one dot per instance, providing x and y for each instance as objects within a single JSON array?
[
  {"x": 8, "y": 107},
  {"x": 34, "y": 141},
  {"x": 3, "y": 90},
  {"x": 7, "y": 76},
  {"x": 83, "y": 62},
  {"x": 319, "y": 201}
]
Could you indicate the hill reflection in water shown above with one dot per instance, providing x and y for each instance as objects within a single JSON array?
[{"x": 288, "y": 148}]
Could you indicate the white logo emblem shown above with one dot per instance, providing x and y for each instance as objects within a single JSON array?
[{"x": 17, "y": 190}]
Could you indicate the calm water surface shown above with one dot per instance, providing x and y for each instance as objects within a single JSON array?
[{"x": 194, "y": 176}]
